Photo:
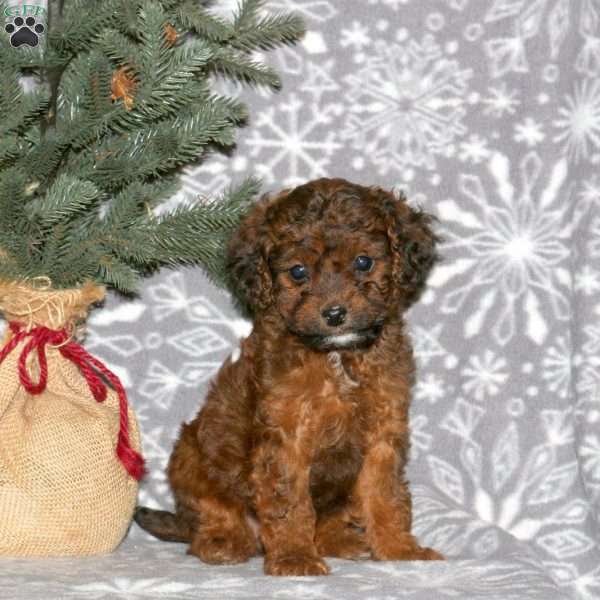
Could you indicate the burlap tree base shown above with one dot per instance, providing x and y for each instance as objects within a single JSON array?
[{"x": 68, "y": 442}]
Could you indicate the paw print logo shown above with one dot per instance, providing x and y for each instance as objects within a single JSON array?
[{"x": 24, "y": 31}]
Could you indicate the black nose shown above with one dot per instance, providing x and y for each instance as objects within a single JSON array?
[{"x": 334, "y": 315}]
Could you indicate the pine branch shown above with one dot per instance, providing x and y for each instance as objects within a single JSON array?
[
  {"x": 13, "y": 182},
  {"x": 72, "y": 34},
  {"x": 10, "y": 149},
  {"x": 46, "y": 156},
  {"x": 118, "y": 274},
  {"x": 26, "y": 112},
  {"x": 118, "y": 47},
  {"x": 66, "y": 197},
  {"x": 176, "y": 89},
  {"x": 194, "y": 17},
  {"x": 157, "y": 149},
  {"x": 11, "y": 92},
  {"x": 247, "y": 13},
  {"x": 269, "y": 32},
  {"x": 237, "y": 66},
  {"x": 197, "y": 234},
  {"x": 153, "y": 55},
  {"x": 136, "y": 201}
]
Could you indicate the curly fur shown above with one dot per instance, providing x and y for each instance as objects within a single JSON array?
[{"x": 300, "y": 448}]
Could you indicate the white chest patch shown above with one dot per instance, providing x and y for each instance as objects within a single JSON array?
[
  {"x": 335, "y": 360},
  {"x": 340, "y": 341}
]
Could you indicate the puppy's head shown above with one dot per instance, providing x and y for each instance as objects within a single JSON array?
[{"x": 333, "y": 259}]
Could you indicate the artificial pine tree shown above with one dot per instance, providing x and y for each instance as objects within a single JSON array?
[
  {"x": 128, "y": 100},
  {"x": 123, "y": 100}
]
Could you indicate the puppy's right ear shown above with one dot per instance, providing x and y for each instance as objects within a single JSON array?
[{"x": 247, "y": 259}]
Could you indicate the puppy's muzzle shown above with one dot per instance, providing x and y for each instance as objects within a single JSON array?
[{"x": 334, "y": 315}]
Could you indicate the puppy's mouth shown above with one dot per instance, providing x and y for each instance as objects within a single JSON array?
[{"x": 348, "y": 340}]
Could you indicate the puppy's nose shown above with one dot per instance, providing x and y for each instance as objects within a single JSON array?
[{"x": 334, "y": 315}]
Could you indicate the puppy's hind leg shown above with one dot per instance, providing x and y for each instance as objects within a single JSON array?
[{"x": 223, "y": 535}]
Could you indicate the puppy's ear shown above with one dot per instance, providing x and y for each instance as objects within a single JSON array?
[
  {"x": 412, "y": 241},
  {"x": 247, "y": 259}
]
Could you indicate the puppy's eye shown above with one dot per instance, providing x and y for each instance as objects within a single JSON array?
[
  {"x": 363, "y": 263},
  {"x": 299, "y": 272}
]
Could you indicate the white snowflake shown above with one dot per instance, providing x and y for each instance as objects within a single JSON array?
[
  {"x": 301, "y": 144},
  {"x": 429, "y": 388},
  {"x": 474, "y": 149},
  {"x": 501, "y": 101},
  {"x": 511, "y": 251},
  {"x": 557, "y": 363},
  {"x": 485, "y": 375},
  {"x": 587, "y": 280},
  {"x": 406, "y": 105},
  {"x": 356, "y": 37},
  {"x": 529, "y": 132},
  {"x": 579, "y": 120}
]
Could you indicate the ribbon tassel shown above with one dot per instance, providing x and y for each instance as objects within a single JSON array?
[{"x": 90, "y": 367}]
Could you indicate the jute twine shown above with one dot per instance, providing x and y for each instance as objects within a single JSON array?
[
  {"x": 34, "y": 302},
  {"x": 63, "y": 490}
]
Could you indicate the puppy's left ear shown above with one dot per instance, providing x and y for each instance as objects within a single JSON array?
[
  {"x": 247, "y": 259},
  {"x": 413, "y": 244}
]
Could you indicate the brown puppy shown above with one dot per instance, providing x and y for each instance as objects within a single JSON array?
[{"x": 299, "y": 450}]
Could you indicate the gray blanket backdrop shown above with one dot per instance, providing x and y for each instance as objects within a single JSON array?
[{"x": 487, "y": 113}]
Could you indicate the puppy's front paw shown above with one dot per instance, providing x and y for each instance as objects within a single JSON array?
[{"x": 297, "y": 564}]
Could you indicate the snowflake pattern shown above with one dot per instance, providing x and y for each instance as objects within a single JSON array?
[
  {"x": 304, "y": 144},
  {"x": 484, "y": 376},
  {"x": 501, "y": 101},
  {"x": 579, "y": 121},
  {"x": 407, "y": 105},
  {"x": 517, "y": 248}
]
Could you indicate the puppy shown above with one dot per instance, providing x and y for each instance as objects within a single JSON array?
[{"x": 299, "y": 450}]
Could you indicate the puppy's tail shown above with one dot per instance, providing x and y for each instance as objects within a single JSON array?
[{"x": 162, "y": 524}]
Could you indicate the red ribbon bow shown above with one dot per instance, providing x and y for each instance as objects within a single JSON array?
[{"x": 89, "y": 366}]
